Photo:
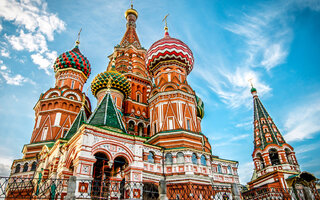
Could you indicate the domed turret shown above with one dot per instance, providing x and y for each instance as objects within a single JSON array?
[
  {"x": 113, "y": 79},
  {"x": 73, "y": 59},
  {"x": 169, "y": 48}
]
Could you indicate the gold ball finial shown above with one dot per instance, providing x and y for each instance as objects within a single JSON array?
[{"x": 131, "y": 10}]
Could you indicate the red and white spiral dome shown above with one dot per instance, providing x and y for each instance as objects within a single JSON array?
[{"x": 166, "y": 49}]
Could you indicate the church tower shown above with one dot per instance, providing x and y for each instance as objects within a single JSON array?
[
  {"x": 58, "y": 107},
  {"x": 273, "y": 158}
]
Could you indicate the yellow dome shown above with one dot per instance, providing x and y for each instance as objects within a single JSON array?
[{"x": 131, "y": 11}]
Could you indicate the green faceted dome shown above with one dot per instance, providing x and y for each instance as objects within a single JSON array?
[
  {"x": 113, "y": 79},
  {"x": 200, "y": 107},
  {"x": 253, "y": 89},
  {"x": 73, "y": 59}
]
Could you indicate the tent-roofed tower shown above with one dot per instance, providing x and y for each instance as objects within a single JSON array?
[
  {"x": 272, "y": 156},
  {"x": 128, "y": 59}
]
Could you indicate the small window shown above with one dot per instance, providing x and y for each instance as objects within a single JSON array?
[
  {"x": 180, "y": 78},
  {"x": 194, "y": 159},
  {"x": 62, "y": 83},
  {"x": 180, "y": 157},
  {"x": 17, "y": 168},
  {"x": 219, "y": 169},
  {"x": 25, "y": 167},
  {"x": 188, "y": 124},
  {"x": 203, "y": 160},
  {"x": 229, "y": 170},
  {"x": 33, "y": 166},
  {"x": 168, "y": 158},
  {"x": 44, "y": 133},
  {"x": 169, "y": 77},
  {"x": 138, "y": 97},
  {"x": 151, "y": 157},
  {"x": 170, "y": 123},
  {"x": 72, "y": 84},
  {"x": 155, "y": 127},
  {"x": 131, "y": 126}
]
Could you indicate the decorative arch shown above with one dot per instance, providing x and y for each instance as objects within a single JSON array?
[
  {"x": 103, "y": 147},
  {"x": 52, "y": 93},
  {"x": 169, "y": 85},
  {"x": 66, "y": 94}
]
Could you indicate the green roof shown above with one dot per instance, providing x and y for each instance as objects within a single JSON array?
[
  {"x": 107, "y": 115},
  {"x": 80, "y": 119}
]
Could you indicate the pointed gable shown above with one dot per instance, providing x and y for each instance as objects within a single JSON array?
[
  {"x": 130, "y": 37},
  {"x": 106, "y": 114},
  {"x": 80, "y": 119}
]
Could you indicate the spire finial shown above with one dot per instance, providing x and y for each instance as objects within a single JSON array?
[
  {"x": 166, "y": 24},
  {"x": 78, "y": 39},
  {"x": 250, "y": 81},
  {"x": 131, "y": 4},
  {"x": 253, "y": 90}
]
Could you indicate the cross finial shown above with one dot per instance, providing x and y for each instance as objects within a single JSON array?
[
  {"x": 78, "y": 39},
  {"x": 250, "y": 81},
  {"x": 131, "y": 4},
  {"x": 165, "y": 20}
]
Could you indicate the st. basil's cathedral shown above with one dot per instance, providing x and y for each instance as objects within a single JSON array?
[{"x": 146, "y": 125}]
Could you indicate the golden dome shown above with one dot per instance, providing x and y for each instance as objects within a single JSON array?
[{"x": 131, "y": 11}]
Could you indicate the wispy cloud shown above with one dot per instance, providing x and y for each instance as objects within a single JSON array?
[
  {"x": 11, "y": 79},
  {"x": 303, "y": 121},
  {"x": 5, "y": 53},
  {"x": 35, "y": 26},
  {"x": 245, "y": 172}
]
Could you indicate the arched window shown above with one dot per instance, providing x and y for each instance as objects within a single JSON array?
[
  {"x": 131, "y": 126},
  {"x": 148, "y": 131},
  {"x": 229, "y": 170},
  {"x": 289, "y": 158},
  {"x": 180, "y": 157},
  {"x": 168, "y": 158},
  {"x": 25, "y": 167},
  {"x": 261, "y": 160},
  {"x": 194, "y": 159},
  {"x": 34, "y": 166},
  {"x": 274, "y": 156},
  {"x": 17, "y": 168},
  {"x": 151, "y": 157},
  {"x": 219, "y": 169},
  {"x": 203, "y": 160},
  {"x": 138, "y": 98},
  {"x": 140, "y": 129}
]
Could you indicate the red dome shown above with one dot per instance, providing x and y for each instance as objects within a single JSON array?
[{"x": 169, "y": 48}]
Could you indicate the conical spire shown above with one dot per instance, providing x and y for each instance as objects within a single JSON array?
[
  {"x": 107, "y": 115},
  {"x": 265, "y": 131},
  {"x": 130, "y": 36},
  {"x": 80, "y": 119}
]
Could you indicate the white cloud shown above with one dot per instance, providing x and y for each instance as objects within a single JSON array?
[
  {"x": 5, "y": 53},
  {"x": 1, "y": 27},
  {"x": 35, "y": 26},
  {"x": 5, "y": 165},
  {"x": 28, "y": 41},
  {"x": 233, "y": 87},
  {"x": 303, "y": 122},
  {"x": 16, "y": 79},
  {"x": 46, "y": 62},
  {"x": 32, "y": 15}
]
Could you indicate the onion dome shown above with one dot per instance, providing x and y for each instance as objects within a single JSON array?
[
  {"x": 169, "y": 48},
  {"x": 131, "y": 11},
  {"x": 112, "y": 79},
  {"x": 200, "y": 107},
  {"x": 73, "y": 59}
]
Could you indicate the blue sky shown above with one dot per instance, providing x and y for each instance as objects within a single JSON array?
[{"x": 276, "y": 43}]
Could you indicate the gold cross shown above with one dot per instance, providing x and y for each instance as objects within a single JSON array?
[
  {"x": 165, "y": 20},
  {"x": 131, "y": 4}
]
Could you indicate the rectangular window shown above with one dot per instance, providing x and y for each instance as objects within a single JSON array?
[
  {"x": 62, "y": 83},
  {"x": 44, "y": 133},
  {"x": 180, "y": 78},
  {"x": 155, "y": 127},
  {"x": 170, "y": 123},
  {"x": 72, "y": 84},
  {"x": 57, "y": 120},
  {"x": 169, "y": 77},
  {"x": 188, "y": 124},
  {"x": 138, "y": 97},
  {"x": 38, "y": 122}
]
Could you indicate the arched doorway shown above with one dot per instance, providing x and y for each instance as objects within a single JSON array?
[{"x": 101, "y": 175}]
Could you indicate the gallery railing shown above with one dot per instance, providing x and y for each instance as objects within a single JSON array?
[
  {"x": 280, "y": 193},
  {"x": 109, "y": 189},
  {"x": 198, "y": 191},
  {"x": 32, "y": 188}
]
